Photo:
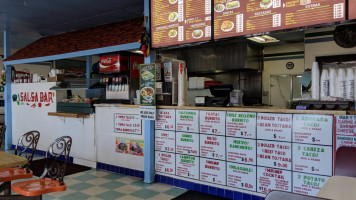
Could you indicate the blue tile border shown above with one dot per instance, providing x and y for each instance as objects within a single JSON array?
[
  {"x": 229, "y": 194},
  {"x": 122, "y": 170},
  {"x": 43, "y": 153}
]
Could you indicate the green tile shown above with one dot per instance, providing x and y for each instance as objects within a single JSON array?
[
  {"x": 144, "y": 193},
  {"x": 80, "y": 186},
  {"x": 85, "y": 177},
  {"x": 141, "y": 184},
  {"x": 110, "y": 195},
  {"x": 112, "y": 185},
  {"x": 48, "y": 197},
  {"x": 175, "y": 191},
  {"x": 113, "y": 176},
  {"x": 75, "y": 196}
]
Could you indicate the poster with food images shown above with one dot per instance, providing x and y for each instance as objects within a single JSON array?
[
  {"x": 313, "y": 129},
  {"x": 274, "y": 154},
  {"x": 122, "y": 145},
  {"x": 212, "y": 146},
  {"x": 165, "y": 140},
  {"x": 187, "y": 120},
  {"x": 148, "y": 84},
  {"x": 241, "y": 124},
  {"x": 241, "y": 150},
  {"x": 313, "y": 159},
  {"x": 212, "y": 122},
  {"x": 272, "y": 126},
  {"x": 187, "y": 166},
  {"x": 165, "y": 162},
  {"x": 166, "y": 119},
  {"x": 187, "y": 143},
  {"x": 241, "y": 176},
  {"x": 127, "y": 123},
  {"x": 308, "y": 184},
  {"x": 269, "y": 179},
  {"x": 137, "y": 147},
  {"x": 213, "y": 171},
  {"x": 345, "y": 131}
]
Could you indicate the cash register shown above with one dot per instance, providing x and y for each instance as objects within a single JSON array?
[{"x": 221, "y": 96}]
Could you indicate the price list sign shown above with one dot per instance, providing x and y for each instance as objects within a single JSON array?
[
  {"x": 241, "y": 124},
  {"x": 212, "y": 146},
  {"x": 164, "y": 162},
  {"x": 187, "y": 166},
  {"x": 272, "y": 126},
  {"x": 180, "y": 21},
  {"x": 241, "y": 176},
  {"x": 312, "y": 129},
  {"x": 241, "y": 150},
  {"x": 130, "y": 124},
  {"x": 187, "y": 143},
  {"x": 269, "y": 179},
  {"x": 345, "y": 131},
  {"x": 212, "y": 122},
  {"x": 308, "y": 184},
  {"x": 166, "y": 119},
  {"x": 187, "y": 120},
  {"x": 274, "y": 154},
  {"x": 213, "y": 171},
  {"x": 165, "y": 140},
  {"x": 352, "y": 8}
]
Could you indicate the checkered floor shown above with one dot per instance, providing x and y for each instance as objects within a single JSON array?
[{"x": 97, "y": 184}]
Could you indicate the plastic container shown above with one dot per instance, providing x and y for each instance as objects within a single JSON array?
[
  {"x": 333, "y": 82},
  {"x": 236, "y": 98},
  {"x": 324, "y": 84},
  {"x": 341, "y": 77},
  {"x": 315, "y": 81},
  {"x": 350, "y": 84}
]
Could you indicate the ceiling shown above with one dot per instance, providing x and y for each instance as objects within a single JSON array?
[{"x": 29, "y": 20}]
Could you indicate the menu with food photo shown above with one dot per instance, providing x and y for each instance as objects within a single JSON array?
[
  {"x": 137, "y": 147},
  {"x": 122, "y": 145},
  {"x": 147, "y": 84}
]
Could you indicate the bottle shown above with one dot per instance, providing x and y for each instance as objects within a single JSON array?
[
  {"x": 333, "y": 82},
  {"x": 350, "y": 84},
  {"x": 324, "y": 84},
  {"x": 342, "y": 83}
]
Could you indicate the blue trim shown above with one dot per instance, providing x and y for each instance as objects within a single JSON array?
[
  {"x": 43, "y": 153},
  {"x": 121, "y": 47},
  {"x": 88, "y": 72},
  {"x": 317, "y": 40},
  {"x": 7, "y": 92},
  {"x": 284, "y": 58},
  {"x": 120, "y": 170},
  {"x": 149, "y": 158}
]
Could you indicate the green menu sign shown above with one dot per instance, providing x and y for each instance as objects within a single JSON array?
[{"x": 148, "y": 84}]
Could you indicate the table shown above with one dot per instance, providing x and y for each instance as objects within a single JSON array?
[
  {"x": 339, "y": 188},
  {"x": 11, "y": 160}
]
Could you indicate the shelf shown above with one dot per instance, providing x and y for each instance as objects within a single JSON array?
[
  {"x": 74, "y": 115},
  {"x": 70, "y": 88}
]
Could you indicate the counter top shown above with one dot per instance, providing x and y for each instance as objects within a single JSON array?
[{"x": 116, "y": 105}]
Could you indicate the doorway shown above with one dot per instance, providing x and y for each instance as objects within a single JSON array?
[{"x": 284, "y": 88}]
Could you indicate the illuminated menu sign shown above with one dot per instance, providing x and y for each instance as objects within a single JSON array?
[
  {"x": 352, "y": 8},
  {"x": 180, "y": 21},
  {"x": 234, "y": 18}
]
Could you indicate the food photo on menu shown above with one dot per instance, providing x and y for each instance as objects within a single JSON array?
[
  {"x": 265, "y": 4},
  {"x": 196, "y": 34}
]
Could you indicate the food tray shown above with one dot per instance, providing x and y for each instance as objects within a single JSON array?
[{"x": 327, "y": 105}]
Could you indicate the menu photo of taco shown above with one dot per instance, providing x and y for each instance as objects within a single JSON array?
[
  {"x": 232, "y": 5},
  {"x": 196, "y": 34},
  {"x": 219, "y": 7},
  {"x": 227, "y": 26},
  {"x": 173, "y": 16},
  {"x": 172, "y": 33},
  {"x": 265, "y": 4}
]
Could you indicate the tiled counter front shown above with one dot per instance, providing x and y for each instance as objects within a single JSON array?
[{"x": 245, "y": 151}]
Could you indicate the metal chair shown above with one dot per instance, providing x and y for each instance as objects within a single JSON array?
[
  {"x": 345, "y": 161},
  {"x": 25, "y": 147},
  {"x": 2, "y": 133},
  {"x": 52, "y": 177}
]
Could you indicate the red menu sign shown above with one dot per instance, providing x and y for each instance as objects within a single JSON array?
[
  {"x": 352, "y": 8},
  {"x": 233, "y": 18},
  {"x": 180, "y": 21}
]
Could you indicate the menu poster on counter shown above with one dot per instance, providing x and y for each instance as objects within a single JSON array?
[
  {"x": 313, "y": 129},
  {"x": 213, "y": 171},
  {"x": 187, "y": 120},
  {"x": 269, "y": 179},
  {"x": 312, "y": 159},
  {"x": 137, "y": 147},
  {"x": 241, "y": 150},
  {"x": 148, "y": 84},
  {"x": 212, "y": 122},
  {"x": 272, "y": 126},
  {"x": 241, "y": 176},
  {"x": 122, "y": 145},
  {"x": 165, "y": 162},
  {"x": 274, "y": 154},
  {"x": 125, "y": 123},
  {"x": 166, "y": 119},
  {"x": 180, "y": 21},
  {"x": 187, "y": 143},
  {"x": 345, "y": 131},
  {"x": 241, "y": 124},
  {"x": 165, "y": 140},
  {"x": 212, "y": 146},
  {"x": 308, "y": 184},
  {"x": 187, "y": 166}
]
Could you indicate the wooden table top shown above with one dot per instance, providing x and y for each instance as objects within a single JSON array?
[
  {"x": 11, "y": 160},
  {"x": 339, "y": 188}
]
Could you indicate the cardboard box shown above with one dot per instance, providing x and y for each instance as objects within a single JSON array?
[{"x": 57, "y": 78}]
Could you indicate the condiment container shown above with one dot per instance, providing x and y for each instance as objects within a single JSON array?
[
  {"x": 236, "y": 98},
  {"x": 333, "y": 82},
  {"x": 324, "y": 84},
  {"x": 350, "y": 83},
  {"x": 342, "y": 83},
  {"x": 315, "y": 81}
]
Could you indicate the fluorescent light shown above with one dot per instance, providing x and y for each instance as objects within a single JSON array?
[
  {"x": 263, "y": 39},
  {"x": 137, "y": 51}
]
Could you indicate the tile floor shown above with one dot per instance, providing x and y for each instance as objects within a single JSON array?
[{"x": 98, "y": 184}]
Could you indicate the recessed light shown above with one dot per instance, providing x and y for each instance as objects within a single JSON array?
[{"x": 263, "y": 39}]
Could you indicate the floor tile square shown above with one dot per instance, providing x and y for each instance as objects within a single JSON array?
[
  {"x": 85, "y": 177},
  {"x": 94, "y": 198},
  {"x": 93, "y": 191},
  {"x": 113, "y": 176},
  {"x": 127, "y": 189},
  {"x": 175, "y": 191},
  {"x": 112, "y": 185},
  {"x": 128, "y": 197},
  {"x": 81, "y": 186},
  {"x": 61, "y": 194},
  {"x": 99, "y": 173},
  {"x": 159, "y": 187},
  {"x": 144, "y": 193},
  {"x": 141, "y": 184},
  {"x": 76, "y": 196},
  {"x": 98, "y": 181},
  {"x": 162, "y": 197},
  {"x": 128, "y": 179},
  {"x": 70, "y": 181},
  {"x": 111, "y": 195}
]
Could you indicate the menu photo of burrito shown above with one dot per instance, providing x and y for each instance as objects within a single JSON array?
[
  {"x": 136, "y": 147},
  {"x": 122, "y": 145}
]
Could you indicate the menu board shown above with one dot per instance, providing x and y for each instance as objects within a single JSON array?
[
  {"x": 237, "y": 17},
  {"x": 308, "y": 184},
  {"x": 165, "y": 162},
  {"x": 313, "y": 129},
  {"x": 187, "y": 143},
  {"x": 187, "y": 120},
  {"x": 241, "y": 176},
  {"x": 241, "y": 124},
  {"x": 180, "y": 21},
  {"x": 187, "y": 166},
  {"x": 212, "y": 122},
  {"x": 213, "y": 171},
  {"x": 274, "y": 154},
  {"x": 269, "y": 179},
  {"x": 165, "y": 140},
  {"x": 166, "y": 119},
  {"x": 312, "y": 159},
  {"x": 352, "y": 8},
  {"x": 241, "y": 150},
  {"x": 272, "y": 126},
  {"x": 124, "y": 123},
  {"x": 345, "y": 131},
  {"x": 212, "y": 146}
]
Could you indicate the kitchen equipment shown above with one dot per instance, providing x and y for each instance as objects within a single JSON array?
[
  {"x": 221, "y": 95},
  {"x": 114, "y": 63},
  {"x": 164, "y": 99},
  {"x": 171, "y": 88},
  {"x": 236, "y": 98}
]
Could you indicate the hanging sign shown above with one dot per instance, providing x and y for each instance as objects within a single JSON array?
[
  {"x": 212, "y": 122},
  {"x": 241, "y": 150},
  {"x": 212, "y": 146},
  {"x": 213, "y": 171},
  {"x": 308, "y": 184},
  {"x": 165, "y": 162},
  {"x": 166, "y": 119},
  {"x": 148, "y": 84},
  {"x": 187, "y": 120},
  {"x": 187, "y": 143},
  {"x": 165, "y": 140},
  {"x": 345, "y": 131},
  {"x": 241, "y": 124},
  {"x": 187, "y": 166},
  {"x": 274, "y": 154},
  {"x": 241, "y": 176},
  {"x": 269, "y": 179},
  {"x": 272, "y": 126}
]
